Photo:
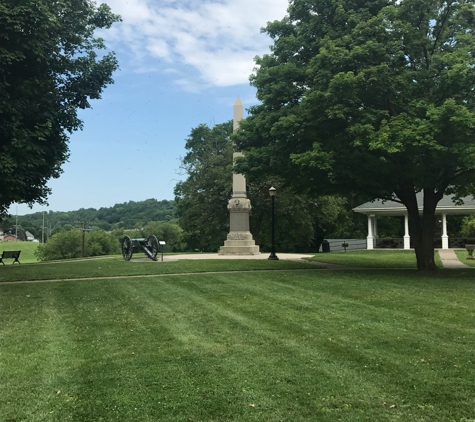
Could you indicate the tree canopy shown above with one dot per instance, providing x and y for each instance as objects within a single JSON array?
[
  {"x": 201, "y": 199},
  {"x": 49, "y": 68},
  {"x": 375, "y": 97}
]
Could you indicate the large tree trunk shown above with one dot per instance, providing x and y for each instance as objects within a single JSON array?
[{"x": 422, "y": 226}]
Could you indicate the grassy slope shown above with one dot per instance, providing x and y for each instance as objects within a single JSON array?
[
  {"x": 292, "y": 346},
  {"x": 373, "y": 259},
  {"x": 27, "y": 251}
]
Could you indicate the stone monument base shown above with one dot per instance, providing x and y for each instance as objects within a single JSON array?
[{"x": 239, "y": 243}]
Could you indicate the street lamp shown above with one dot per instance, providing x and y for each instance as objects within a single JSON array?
[{"x": 272, "y": 255}]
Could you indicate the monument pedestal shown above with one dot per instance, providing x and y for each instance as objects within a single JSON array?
[
  {"x": 239, "y": 243},
  {"x": 239, "y": 240}
]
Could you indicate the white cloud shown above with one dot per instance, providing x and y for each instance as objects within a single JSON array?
[{"x": 218, "y": 40}]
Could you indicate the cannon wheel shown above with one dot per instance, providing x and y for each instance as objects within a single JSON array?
[
  {"x": 152, "y": 245},
  {"x": 127, "y": 248}
]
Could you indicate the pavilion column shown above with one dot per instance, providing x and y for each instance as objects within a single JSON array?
[
  {"x": 370, "y": 237},
  {"x": 407, "y": 238},
  {"x": 445, "y": 238},
  {"x": 375, "y": 230}
]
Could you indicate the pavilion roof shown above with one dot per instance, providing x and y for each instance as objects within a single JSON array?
[{"x": 446, "y": 205}]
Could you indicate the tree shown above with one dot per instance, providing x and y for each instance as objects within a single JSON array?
[
  {"x": 203, "y": 197},
  {"x": 49, "y": 69},
  {"x": 375, "y": 97}
]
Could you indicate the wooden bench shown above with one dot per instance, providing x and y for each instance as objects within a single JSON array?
[
  {"x": 387, "y": 243},
  {"x": 10, "y": 254}
]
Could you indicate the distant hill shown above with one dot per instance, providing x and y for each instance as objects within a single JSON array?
[{"x": 126, "y": 215}]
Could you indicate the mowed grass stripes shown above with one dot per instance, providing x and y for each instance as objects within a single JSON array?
[{"x": 291, "y": 346}]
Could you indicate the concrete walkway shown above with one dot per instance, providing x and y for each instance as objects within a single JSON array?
[
  {"x": 265, "y": 255},
  {"x": 449, "y": 259},
  {"x": 447, "y": 256}
]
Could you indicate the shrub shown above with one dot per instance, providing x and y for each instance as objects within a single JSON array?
[
  {"x": 67, "y": 244},
  {"x": 172, "y": 234},
  {"x": 468, "y": 226}
]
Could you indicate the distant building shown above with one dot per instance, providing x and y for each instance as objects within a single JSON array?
[
  {"x": 29, "y": 237},
  {"x": 10, "y": 237}
]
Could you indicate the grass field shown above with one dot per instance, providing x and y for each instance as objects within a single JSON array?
[
  {"x": 116, "y": 267},
  {"x": 462, "y": 256},
  {"x": 366, "y": 345},
  {"x": 395, "y": 258},
  {"x": 27, "y": 250}
]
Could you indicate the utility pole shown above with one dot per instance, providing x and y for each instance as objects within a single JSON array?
[{"x": 84, "y": 229}]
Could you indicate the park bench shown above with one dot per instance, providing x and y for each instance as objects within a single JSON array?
[
  {"x": 388, "y": 243},
  {"x": 10, "y": 255}
]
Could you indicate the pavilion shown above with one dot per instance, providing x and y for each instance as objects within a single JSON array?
[{"x": 445, "y": 207}]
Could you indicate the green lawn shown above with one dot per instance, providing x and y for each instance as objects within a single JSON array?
[
  {"x": 395, "y": 258},
  {"x": 252, "y": 346},
  {"x": 462, "y": 256},
  {"x": 27, "y": 251},
  {"x": 116, "y": 267}
]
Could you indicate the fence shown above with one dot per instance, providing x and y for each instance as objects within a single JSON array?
[{"x": 393, "y": 243}]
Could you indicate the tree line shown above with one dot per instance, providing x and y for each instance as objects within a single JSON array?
[{"x": 127, "y": 215}]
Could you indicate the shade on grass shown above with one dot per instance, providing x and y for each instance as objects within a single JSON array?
[
  {"x": 292, "y": 346},
  {"x": 373, "y": 258}
]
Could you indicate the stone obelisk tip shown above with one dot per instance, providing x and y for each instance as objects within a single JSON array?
[{"x": 238, "y": 113}]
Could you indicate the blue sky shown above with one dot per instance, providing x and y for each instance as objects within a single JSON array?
[{"x": 182, "y": 63}]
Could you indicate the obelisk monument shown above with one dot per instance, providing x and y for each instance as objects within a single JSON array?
[{"x": 239, "y": 240}]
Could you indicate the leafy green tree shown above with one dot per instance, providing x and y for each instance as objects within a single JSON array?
[
  {"x": 49, "y": 69},
  {"x": 202, "y": 199},
  {"x": 375, "y": 97}
]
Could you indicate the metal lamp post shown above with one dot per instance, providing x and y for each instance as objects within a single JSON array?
[{"x": 272, "y": 255}]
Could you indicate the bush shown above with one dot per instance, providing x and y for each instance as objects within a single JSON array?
[
  {"x": 99, "y": 242},
  {"x": 468, "y": 226},
  {"x": 172, "y": 234},
  {"x": 67, "y": 244}
]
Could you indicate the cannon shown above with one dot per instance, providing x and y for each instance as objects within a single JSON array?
[{"x": 130, "y": 246}]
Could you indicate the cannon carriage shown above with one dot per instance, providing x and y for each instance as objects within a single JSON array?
[{"x": 150, "y": 246}]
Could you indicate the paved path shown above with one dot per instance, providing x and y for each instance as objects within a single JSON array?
[
  {"x": 447, "y": 256},
  {"x": 449, "y": 259},
  {"x": 297, "y": 257},
  {"x": 265, "y": 255}
]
